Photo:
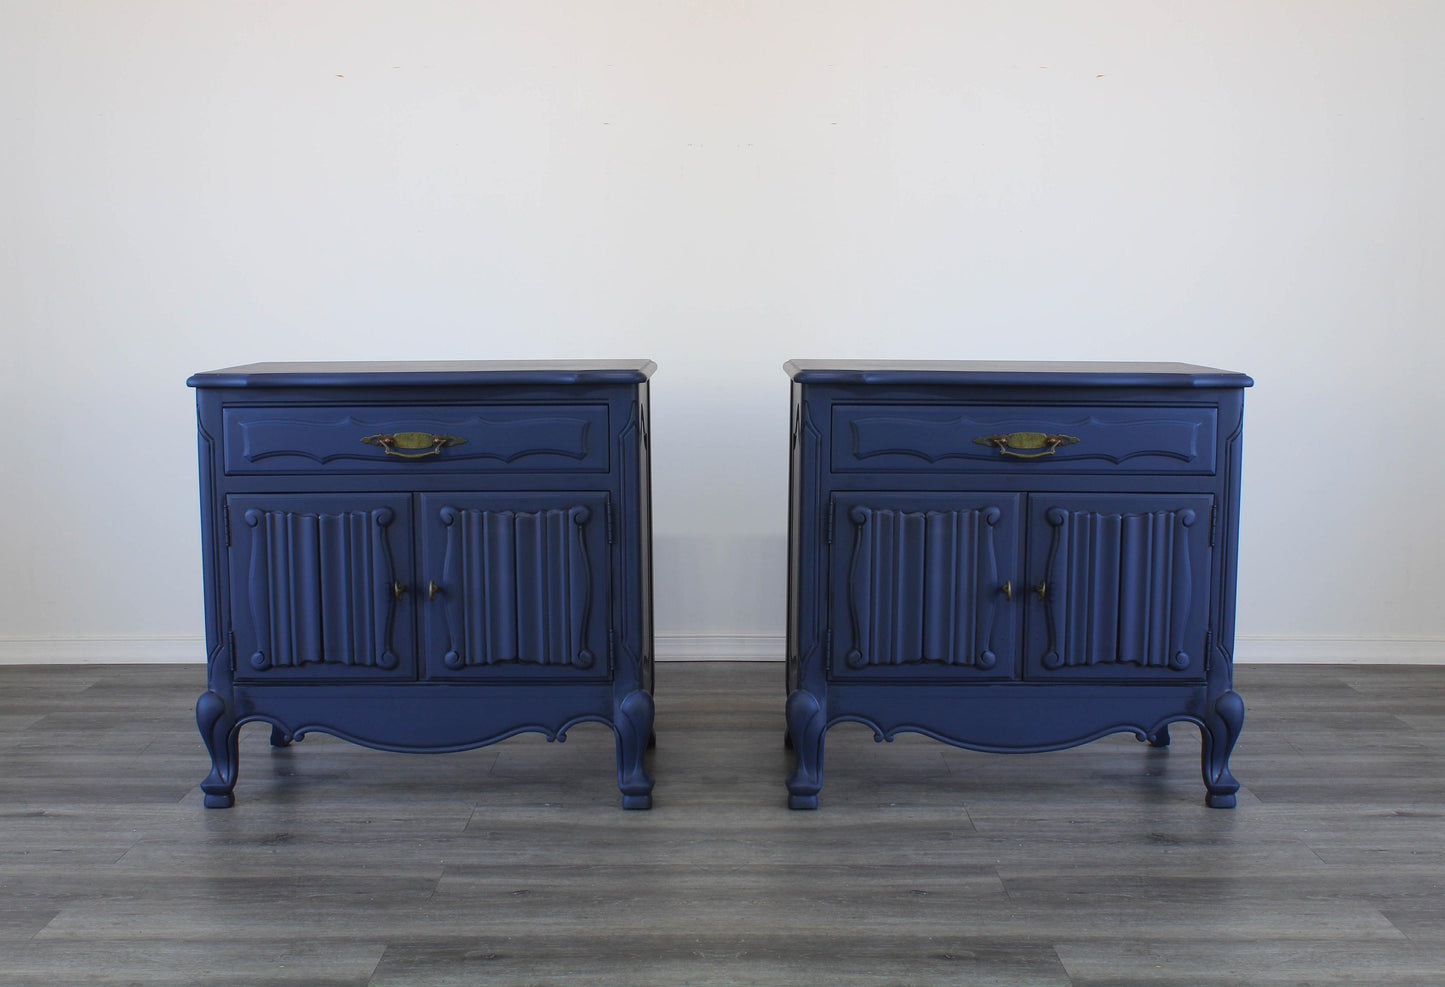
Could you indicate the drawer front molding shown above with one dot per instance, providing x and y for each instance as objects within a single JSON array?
[
  {"x": 352, "y": 439},
  {"x": 951, "y": 438}
]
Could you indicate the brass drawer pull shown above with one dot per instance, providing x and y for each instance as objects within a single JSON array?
[
  {"x": 1026, "y": 445},
  {"x": 413, "y": 445},
  {"x": 1007, "y": 589},
  {"x": 432, "y": 589}
]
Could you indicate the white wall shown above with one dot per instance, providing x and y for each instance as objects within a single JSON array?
[{"x": 719, "y": 186}]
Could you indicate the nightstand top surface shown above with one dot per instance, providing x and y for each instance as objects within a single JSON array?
[
  {"x": 1010, "y": 372},
  {"x": 424, "y": 372}
]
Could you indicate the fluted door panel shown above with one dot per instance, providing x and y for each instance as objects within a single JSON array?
[
  {"x": 516, "y": 583},
  {"x": 319, "y": 585},
  {"x": 1120, "y": 585},
  {"x": 924, "y": 584}
]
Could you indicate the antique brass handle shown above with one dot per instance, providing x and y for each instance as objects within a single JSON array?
[
  {"x": 432, "y": 589},
  {"x": 413, "y": 445},
  {"x": 398, "y": 588},
  {"x": 1026, "y": 445},
  {"x": 1041, "y": 589},
  {"x": 1007, "y": 589}
]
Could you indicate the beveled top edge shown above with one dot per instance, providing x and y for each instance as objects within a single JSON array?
[
  {"x": 427, "y": 372},
  {"x": 1012, "y": 373}
]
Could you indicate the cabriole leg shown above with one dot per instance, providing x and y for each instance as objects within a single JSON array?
[
  {"x": 1222, "y": 727},
  {"x": 805, "y": 728},
  {"x": 218, "y": 729},
  {"x": 633, "y": 722}
]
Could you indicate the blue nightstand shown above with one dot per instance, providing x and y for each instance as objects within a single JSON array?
[
  {"x": 1013, "y": 556},
  {"x": 426, "y": 556}
]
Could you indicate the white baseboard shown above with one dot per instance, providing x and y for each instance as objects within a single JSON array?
[
  {"x": 1258, "y": 648},
  {"x": 1263, "y": 649},
  {"x": 720, "y": 647},
  {"x": 727, "y": 647},
  {"x": 98, "y": 650}
]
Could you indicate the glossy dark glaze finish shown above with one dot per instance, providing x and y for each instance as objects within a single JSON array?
[
  {"x": 1011, "y": 373},
  {"x": 402, "y": 373}
]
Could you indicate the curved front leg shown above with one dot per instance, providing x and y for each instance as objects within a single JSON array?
[
  {"x": 1222, "y": 727},
  {"x": 806, "y": 721},
  {"x": 632, "y": 719},
  {"x": 218, "y": 729}
]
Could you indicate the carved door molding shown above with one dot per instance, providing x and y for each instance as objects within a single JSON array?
[
  {"x": 516, "y": 583},
  {"x": 923, "y": 584},
  {"x": 319, "y": 585},
  {"x": 1119, "y": 585}
]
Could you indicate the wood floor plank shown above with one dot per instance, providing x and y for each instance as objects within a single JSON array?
[
  {"x": 1195, "y": 963},
  {"x": 926, "y": 864},
  {"x": 707, "y": 958},
  {"x": 185, "y": 964}
]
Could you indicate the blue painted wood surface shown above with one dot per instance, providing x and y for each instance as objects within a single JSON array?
[
  {"x": 420, "y": 595},
  {"x": 403, "y": 373},
  {"x": 1012, "y": 373},
  {"x": 1013, "y": 557}
]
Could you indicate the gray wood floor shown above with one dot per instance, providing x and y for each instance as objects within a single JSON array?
[{"x": 926, "y": 864}]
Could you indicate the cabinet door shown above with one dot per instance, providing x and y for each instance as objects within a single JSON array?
[
  {"x": 1119, "y": 586},
  {"x": 923, "y": 585},
  {"x": 516, "y": 584},
  {"x": 319, "y": 586}
]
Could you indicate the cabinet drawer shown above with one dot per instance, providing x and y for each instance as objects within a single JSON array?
[
  {"x": 966, "y": 438},
  {"x": 376, "y": 438}
]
